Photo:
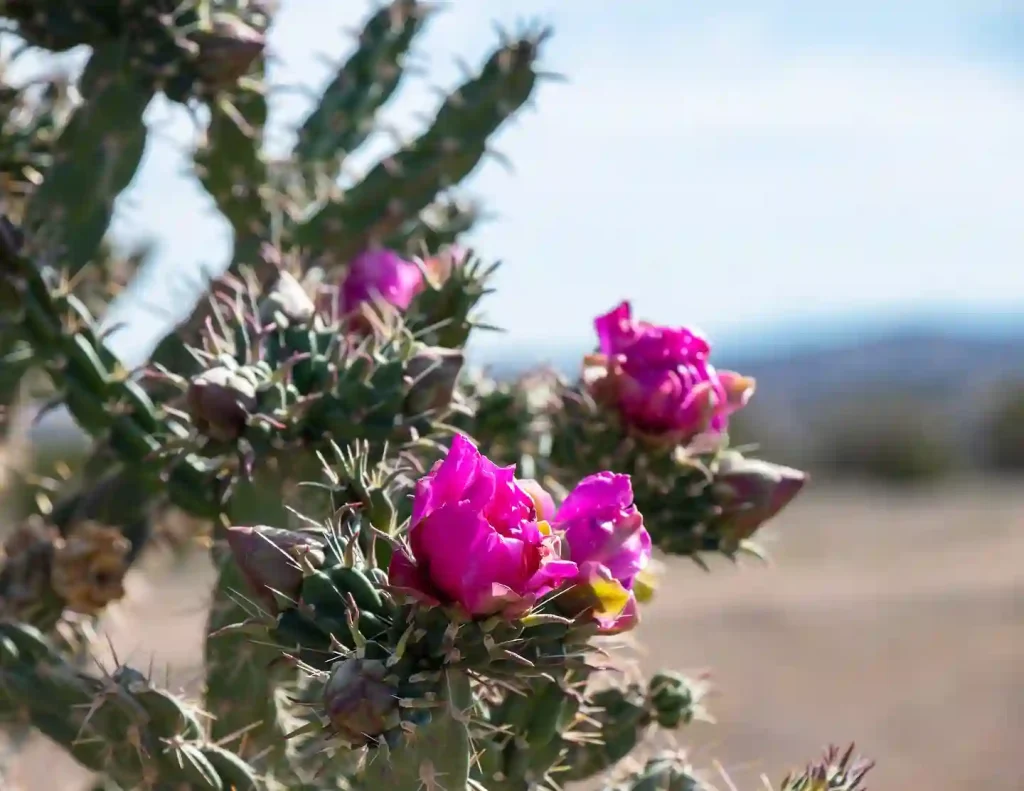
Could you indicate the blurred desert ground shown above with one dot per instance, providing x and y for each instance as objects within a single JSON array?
[{"x": 891, "y": 617}]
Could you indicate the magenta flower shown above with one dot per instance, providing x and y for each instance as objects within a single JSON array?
[
  {"x": 380, "y": 275},
  {"x": 608, "y": 541},
  {"x": 543, "y": 502},
  {"x": 660, "y": 378},
  {"x": 475, "y": 540}
]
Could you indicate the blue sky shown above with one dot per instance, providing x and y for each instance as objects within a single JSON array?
[{"x": 725, "y": 164}]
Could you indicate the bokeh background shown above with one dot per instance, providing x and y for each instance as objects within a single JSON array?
[{"x": 833, "y": 193}]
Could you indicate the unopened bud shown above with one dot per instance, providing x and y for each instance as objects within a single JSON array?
[
  {"x": 288, "y": 302},
  {"x": 669, "y": 772},
  {"x": 672, "y": 699},
  {"x": 440, "y": 267},
  {"x": 358, "y": 702},
  {"x": 274, "y": 561},
  {"x": 220, "y": 402},
  {"x": 750, "y": 492},
  {"x": 433, "y": 374},
  {"x": 228, "y": 50}
]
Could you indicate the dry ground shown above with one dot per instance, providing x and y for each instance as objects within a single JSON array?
[{"x": 893, "y": 620}]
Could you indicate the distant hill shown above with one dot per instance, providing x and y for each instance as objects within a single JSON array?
[
  {"x": 814, "y": 377},
  {"x": 804, "y": 362}
]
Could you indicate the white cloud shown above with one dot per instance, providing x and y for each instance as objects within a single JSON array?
[{"x": 795, "y": 184}]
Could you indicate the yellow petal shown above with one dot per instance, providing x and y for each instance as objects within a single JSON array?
[
  {"x": 610, "y": 596},
  {"x": 644, "y": 585}
]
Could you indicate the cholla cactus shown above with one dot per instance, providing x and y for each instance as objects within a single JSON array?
[{"x": 421, "y": 573}]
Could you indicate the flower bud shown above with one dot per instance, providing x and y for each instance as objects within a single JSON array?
[
  {"x": 288, "y": 302},
  {"x": 382, "y": 276},
  {"x": 672, "y": 700},
  {"x": 220, "y": 402},
  {"x": 661, "y": 380},
  {"x": 668, "y": 772},
  {"x": 751, "y": 491},
  {"x": 433, "y": 374},
  {"x": 440, "y": 267},
  {"x": 358, "y": 702},
  {"x": 274, "y": 560},
  {"x": 228, "y": 50}
]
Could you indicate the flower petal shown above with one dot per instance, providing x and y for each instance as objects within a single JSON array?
[
  {"x": 465, "y": 556},
  {"x": 614, "y": 329},
  {"x": 610, "y": 597},
  {"x": 543, "y": 503},
  {"x": 600, "y": 494},
  {"x": 405, "y": 576},
  {"x": 625, "y": 621}
]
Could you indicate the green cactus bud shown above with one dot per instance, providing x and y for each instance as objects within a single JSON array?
[
  {"x": 750, "y": 492},
  {"x": 433, "y": 372},
  {"x": 666, "y": 773},
  {"x": 274, "y": 560},
  {"x": 220, "y": 402},
  {"x": 360, "y": 705},
  {"x": 672, "y": 699}
]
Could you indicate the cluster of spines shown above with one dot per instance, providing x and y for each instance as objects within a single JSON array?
[
  {"x": 285, "y": 386},
  {"x": 32, "y": 122},
  {"x": 344, "y": 116},
  {"x": 444, "y": 313},
  {"x": 562, "y": 429},
  {"x": 102, "y": 396},
  {"x": 119, "y": 724},
  {"x": 669, "y": 771},
  {"x": 835, "y": 771},
  {"x": 400, "y": 201},
  {"x": 401, "y": 186}
]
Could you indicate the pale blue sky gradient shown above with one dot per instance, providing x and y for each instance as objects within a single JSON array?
[{"x": 724, "y": 166}]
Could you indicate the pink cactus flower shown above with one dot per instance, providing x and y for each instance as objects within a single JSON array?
[
  {"x": 475, "y": 540},
  {"x": 660, "y": 378},
  {"x": 380, "y": 275},
  {"x": 607, "y": 539}
]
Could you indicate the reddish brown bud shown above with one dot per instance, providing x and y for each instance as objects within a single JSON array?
[
  {"x": 751, "y": 491},
  {"x": 359, "y": 703},
  {"x": 274, "y": 560},
  {"x": 220, "y": 402}
]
